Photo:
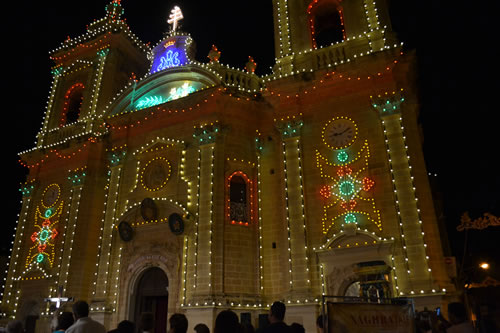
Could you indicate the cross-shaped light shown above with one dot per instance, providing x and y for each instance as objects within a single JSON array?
[{"x": 175, "y": 16}]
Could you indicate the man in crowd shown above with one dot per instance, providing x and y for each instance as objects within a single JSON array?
[{"x": 83, "y": 323}]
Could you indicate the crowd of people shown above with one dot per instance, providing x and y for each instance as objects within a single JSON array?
[{"x": 227, "y": 321}]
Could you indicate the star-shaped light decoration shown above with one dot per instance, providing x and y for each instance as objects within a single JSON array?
[{"x": 43, "y": 238}]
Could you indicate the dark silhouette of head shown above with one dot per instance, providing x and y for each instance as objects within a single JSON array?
[
  {"x": 201, "y": 328},
  {"x": 64, "y": 321},
  {"x": 277, "y": 312},
  {"x": 457, "y": 312},
  {"x": 178, "y": 323},
  {"x": 80, "y": 309},
  {"x": 227, "y": 322},
  {"x": 247, "y": 328},
  {"x": 297, "y": 328},
  {"x": 126, "y": 326},
  {"x": 319, "y": 323}
]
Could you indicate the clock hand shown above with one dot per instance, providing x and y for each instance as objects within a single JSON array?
[{"x": 340, "y": 133}]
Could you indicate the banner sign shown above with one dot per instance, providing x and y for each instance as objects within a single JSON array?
[{"x": 370, "y": 318}]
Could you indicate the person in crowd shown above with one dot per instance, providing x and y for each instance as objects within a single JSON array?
[
  {"x": 201, "y": 328},
  {"x": 247, "y": 328},
  {"x": 458, "y": 319},
  {"x": 227, "y": 322},
  {"x": 276, "y": 316},
  {"x": 320, "y": 323},
  {"x": 15, "y": 326},
  {"x": 178, "y": 323},
  {"x": 83, "y": 323},
  {"x": 124, "y": 326},
  {"x": 64, "y": 321},
  {"x": 146, "y": 323},
  {"x": 297, "y": 328}
]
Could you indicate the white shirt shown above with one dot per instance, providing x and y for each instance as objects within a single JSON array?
[{"x": 86, "y": 325}]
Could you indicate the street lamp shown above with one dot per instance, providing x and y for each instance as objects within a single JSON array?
[{"x": 484, "y": 265}]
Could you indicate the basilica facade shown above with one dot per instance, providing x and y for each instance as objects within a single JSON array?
[{"x": 162, "y": 184}]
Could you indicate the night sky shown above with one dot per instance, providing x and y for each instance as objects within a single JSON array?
[{"x": 455, "y": 63}]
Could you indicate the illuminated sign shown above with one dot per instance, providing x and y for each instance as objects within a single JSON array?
[
  {"x": 174, "y": 93},
  {"x": 181, "y": 91},
  {"x": 170, "y": 56}
]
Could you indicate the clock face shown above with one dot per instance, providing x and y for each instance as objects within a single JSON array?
[
  {"x": 51, "y": 195},
  {"x": 340, "y": 133}
]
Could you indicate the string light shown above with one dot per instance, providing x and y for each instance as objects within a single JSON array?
[{"x": 407, "y": 210}]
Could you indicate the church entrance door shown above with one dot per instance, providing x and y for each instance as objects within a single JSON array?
[{"x": 152, "y": 296}]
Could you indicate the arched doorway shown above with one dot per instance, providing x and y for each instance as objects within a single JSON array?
[{"x": 152, "y": 296}]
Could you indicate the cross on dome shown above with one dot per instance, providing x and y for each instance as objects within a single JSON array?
[{"x": 175, "y": 16}]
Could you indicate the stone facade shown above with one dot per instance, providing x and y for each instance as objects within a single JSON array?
[{"x": 242, "y": 189}]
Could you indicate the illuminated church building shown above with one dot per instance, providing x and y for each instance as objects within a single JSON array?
[{"x": 159, "y": 183}]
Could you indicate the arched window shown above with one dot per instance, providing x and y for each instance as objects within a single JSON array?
[
  {"x": 326, "y": 22},
  {"x": 239, "y": 205},
  {"x": 72, "y": 104}
]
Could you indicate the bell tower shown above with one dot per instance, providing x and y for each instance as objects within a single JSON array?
[
  {"x": 82, "y": 84},
  {"x": 311, "y": 34}
]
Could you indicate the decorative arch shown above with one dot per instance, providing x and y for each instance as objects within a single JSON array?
[
  {"x": 239, "y": 199},
  {"x": 354, "y": 238},
  {"x": 153, "y": 245},
  {"x": 73, "y": 100},
  {"x": 137, "y": 266},
  {"x": 326, "y": 22}
]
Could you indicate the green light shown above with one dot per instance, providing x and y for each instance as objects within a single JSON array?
[
  {"x": 39, "y": 258},
  {"x": 350, "y": 218},
  {"x": 48, "y": 212},
  {"x": 346, "y": 188},
  {"x": 44, "y": 235},
  {"x": 342, "y": 156}
]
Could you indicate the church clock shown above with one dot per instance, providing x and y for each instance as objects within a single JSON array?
[{"x": 340, "y": 133}]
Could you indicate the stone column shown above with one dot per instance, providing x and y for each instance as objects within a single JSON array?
[
  {"x": 299, "y": 275},
  {"x": 411, "y": 261}
]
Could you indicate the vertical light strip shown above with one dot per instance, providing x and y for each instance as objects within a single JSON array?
[
  {"x": 102, "y": 54},
  {"x": 212, "y": 165},
  {"x": 72, "y": 221},
  {"x": 197, "y": 223},
  {"x": 101, "y": 234},
  {"x": 371, "y": 15},
  {"x": 283, "y": 25},
  {"x": 107, "y": 231},
  {"x": 306, "y": 257},
  {"x": 287, "y": 215},
  {"x": 410, "y": 207},
  {"x": 259, "y": 211},
  {"x": 416, "y": 199},
  {"x": 15, "y": 252},
  {"x": 50, "y": 105},
  {"x": 322, "y": 275},
  {"x": 184, "y": 269},
  {"x": 116, "y": 293},
  {"x": 400, "y": 221}
]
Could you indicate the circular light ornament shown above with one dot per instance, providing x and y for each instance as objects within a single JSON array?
[
  {"x": 48, "y": 213},
  {"x": 156, "y": 174},
  {"x": 44, "y": 234},
  {"x": 39, "y": 258},
  {"x": 350, "y": 218},
  {"x": 342, "y": 156},
  {"x": 346, "y": 188}
]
